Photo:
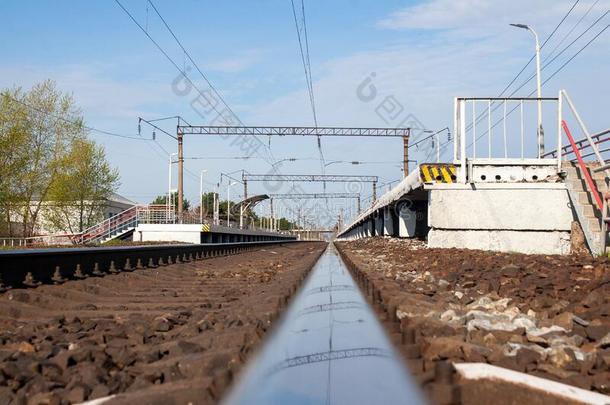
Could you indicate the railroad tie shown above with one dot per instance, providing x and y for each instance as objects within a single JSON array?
[
  {"x": 112, "y": 268},
  {"x": 78, "y": 273},
  {"x": 57, "y": 278},
  {"x": 96, "y": 270},
  {"x": 29, "y": 280}
]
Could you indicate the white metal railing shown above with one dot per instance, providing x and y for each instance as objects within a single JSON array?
[
  {"x": 477, "y": 136},
  {"x": 15, "y": 242},
  {"x": 107, "y": 227},
  {"x": 156, "y": 214},
  {"x": 39, "y": 240}
]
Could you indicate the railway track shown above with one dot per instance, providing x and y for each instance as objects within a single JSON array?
[
  {"x": 462, "y": 374},
  {"x": 33, "y": 267},
  {"x": 169, "y": 334},
  {"x": 181, "y": 332}
]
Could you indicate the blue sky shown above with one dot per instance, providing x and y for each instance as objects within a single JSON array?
[{"x": 423, "y": 53}]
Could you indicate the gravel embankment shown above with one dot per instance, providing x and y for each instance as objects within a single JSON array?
[
  {"x": 545, "y": 315},
  {"x": 173, "y": 334}
]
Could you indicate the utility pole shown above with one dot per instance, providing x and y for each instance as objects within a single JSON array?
[
  {"x": 215, "y": 214},
  {"x": 405, "y": 155},
  {"x": 374, "y": 191},
  {"x": 245, "y": 189},
  {"x": 180, "y": 173},
  {"x": 358, "y": 204},
  {"x": 271, "y": 214}
]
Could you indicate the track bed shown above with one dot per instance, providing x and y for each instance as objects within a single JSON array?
[{"x": 173, "y": 334}]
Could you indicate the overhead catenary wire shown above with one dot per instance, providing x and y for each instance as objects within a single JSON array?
[
  {"x": 59, "y": 117},
  {"x": 306, "y": 61},
  {"x": 188, "y": 55},
  {"x": 564, "y": 49},
  {"x": 182, "y": 71},
  {"x": 483, "y": 114},
  {"x": 582, "y": 17},
  {"x": 550, "y": 77},
  {"x": 169, "y": 58}
]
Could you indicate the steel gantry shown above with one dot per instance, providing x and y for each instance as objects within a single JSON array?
[
  {"x": 330, "y": 178},
  {"x": 298, "y": 131},
  {"x": 182, "y": 130},
  {"x": 308, "y": 196}
]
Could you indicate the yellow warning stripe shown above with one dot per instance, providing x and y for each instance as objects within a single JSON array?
[
  {"x": 437, "y": 173},
  {"x": 425, "y": 174},
  {"x": 205, "y": 227},
  {"x": 446, "y": 174}
]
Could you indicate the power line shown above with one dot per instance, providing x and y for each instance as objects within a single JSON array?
[
  {"x": 163, "y": 51},
  {"x": 305, "y": 59},
  {"x": 550, "y": 77},
  {"x": 182, "y": 71},
  {"x": 307, "y": 69},
  {"x": 564, "y": 49},
  {"x": 572, "y": 29},
  {"x": 577, "y": 53},
  {"x": 484, "y": 114},
  {"x": 77, "y": 123},
  {"x": 188, "y": 55}
]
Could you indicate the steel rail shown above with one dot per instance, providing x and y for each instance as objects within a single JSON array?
[
  {"x": 32, "y": 267},
  {"x": 328, "y": 349}
]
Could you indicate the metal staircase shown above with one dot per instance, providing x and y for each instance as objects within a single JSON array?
[
  {"x": 589, "y": 215},
  {"x": 111, "y": 228}
]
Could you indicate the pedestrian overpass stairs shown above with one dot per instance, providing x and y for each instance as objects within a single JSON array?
[{"x": 584, "y": 202}]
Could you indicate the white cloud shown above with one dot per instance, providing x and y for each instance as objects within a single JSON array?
[
  {"x": 426, "y": 73},
  {"x": 97, "y": 94},
  {"x": 238, "y": 63},
  {"x": 475, "y": 15}
]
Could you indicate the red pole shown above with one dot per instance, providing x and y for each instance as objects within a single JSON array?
[{"x": 583, "y": 167}]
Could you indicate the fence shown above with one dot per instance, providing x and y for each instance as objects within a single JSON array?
[
  {"x": 478, "y": 138},
  {"x": 41, "y": 240}
]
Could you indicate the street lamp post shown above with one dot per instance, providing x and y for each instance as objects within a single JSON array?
[
  {"x": 283, "y": 160},
  {"x": 539, "y": 88},
  {"x": 229, "y": 202},
  {"x": 169, "y": 186},
  {"x": 201, "y": 196},
  {"x": 215, "y": 205}
]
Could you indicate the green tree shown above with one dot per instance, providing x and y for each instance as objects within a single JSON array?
[
  {"x": 81, "y": 188},
  {"x": 208, "y": 203},
  {"x": 38, "y": 127},
  {"x": 162, "y": 200},
  {"x": 13, "y": 140}
]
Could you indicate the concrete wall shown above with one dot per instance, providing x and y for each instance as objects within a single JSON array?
[
  {"x": 507, "y": 219},
  {"x": 500, "y": 209},
  {"x": 531, "y": 242},
  {"x": 192, "y": 233},
  {"x": 189, "y": 233}
]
